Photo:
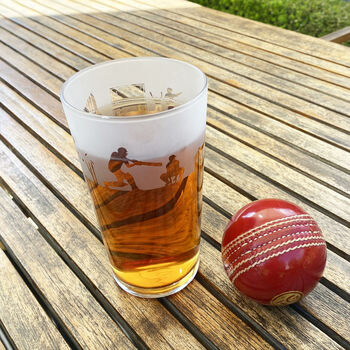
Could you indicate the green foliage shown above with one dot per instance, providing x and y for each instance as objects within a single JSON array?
[{"x": 312, "y": 17}]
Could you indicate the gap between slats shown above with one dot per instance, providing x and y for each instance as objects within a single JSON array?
[
  {"x": 223, "y": 37},
  {"x": 6, "y": 339},
  {"x": 144, "y": 15},
  {"x": 230, "y": 135},
  {"x": 340, "y": 113},
  {"x": 308, "y": 116},
  {"x": 189, "y": 54},
  {"x": 61, "y": 327},
  {"x": 216, "y": 24},
  {"x": 68, "y": 206},
  {"x": 112, "y": 312}
]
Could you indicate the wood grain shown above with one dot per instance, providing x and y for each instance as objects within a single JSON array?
[
  {"x": 83, "y": 316},
  {"x": 270, "y": 34},
  {"x": 232, "y": 40},
  {"x": 22, "y": 315},
  {"x": 238, "y": 72},
  {"x": 149, "y": 319},
  {"x": 27, "y": 19},
  {"x": 218, "y": 323},
  {"x": 215, "y": 188},
  {"x": 315, "y": 192},
  {"x": 38, "y": 123},
  {"x": 29, "y": 51},
  {"x": 258, "y": 187},
  {"x": 111, "y": 45},
  {"x": 32, "y": 92},
  {"x": 42, "y": 43},
  {"x": 163, "y": 26},
  {"x": 44, "y": 79},
  {"x": 283, "y": 152},
  {"x": 310, "y": 126}
]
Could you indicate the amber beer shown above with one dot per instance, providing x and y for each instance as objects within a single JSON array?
[
  {"x": 152, "y": 236},
  {"x": 138, "y": 125}
]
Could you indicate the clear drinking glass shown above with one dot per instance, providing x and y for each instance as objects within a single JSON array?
[{"x": 138, "y": 125}]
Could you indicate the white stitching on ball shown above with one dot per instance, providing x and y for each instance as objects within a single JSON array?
[
  {"x": 234, "y": 268},
  {"x": 266, "y": 243},
  {"x": 273, "y": 256},
  {"x": 263, "y": 227}
]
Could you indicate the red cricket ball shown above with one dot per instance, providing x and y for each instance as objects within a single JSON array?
[{"x": 273, "y": 252}]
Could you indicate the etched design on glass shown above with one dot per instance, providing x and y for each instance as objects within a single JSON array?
[
  {"x": 91, "y": 106},
  {"x": 133, "y": 99},
  {"x": 174, "y": 172},
  {"x": 117, "y": 160}
]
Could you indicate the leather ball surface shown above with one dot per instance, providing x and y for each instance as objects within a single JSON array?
[{"x": 273, "y": 252}]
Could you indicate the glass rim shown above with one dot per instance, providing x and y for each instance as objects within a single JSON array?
[{"x": 137, "y": 117}]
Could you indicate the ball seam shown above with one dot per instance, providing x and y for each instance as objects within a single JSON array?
[
  {"x": 230, "y": 246},
  {"x": 275, "y": 255},
  {"x": 234, "y": 268},
  {"x": 271, "y": 241}
]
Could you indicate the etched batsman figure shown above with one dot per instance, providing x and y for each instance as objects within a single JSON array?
[{"x": 115, "y": 164}]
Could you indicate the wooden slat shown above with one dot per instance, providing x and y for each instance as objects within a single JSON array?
[
  {"x": 259, "y": 187},
  {"x": 217, "y": 322},
  {"x": 234, "y": 71},
  {"x": 50, "y": 132},
  {"x": 111, "y": 45},
  {"x": 31, "y": 91},
  {"x": 23, "y": 17},
  {"x": 214, "y": 189},
  {"x": 22, "y": 315},
  {"x": 60, "y": 287},
  {"x": 296, "y": 158},
  {"x": 153, "y": 20},
  {"x": 252, "y": 47},
  {"x": 284, "y": 323},
  {"x": 330, "y": 200},
  {"x": 42, "y": 43},
  {"x": 63, "y": 71},
  {"x": 2, "y": 346},
  {"x": 338, "y": 36},
  {"x": 267, "y": 33},
  {"x": 147, "y": 317},
  {"x": 289, "y": 101},
  {"x": 296, "y": 120}
]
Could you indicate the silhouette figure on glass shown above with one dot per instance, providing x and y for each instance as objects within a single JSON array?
[
  {"x": 170, "y": 94},
  {"x": 117, "y": 160},
  {"x": 174, "y": 172}
]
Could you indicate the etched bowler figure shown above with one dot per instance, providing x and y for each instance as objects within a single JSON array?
[{"x": 174, "y": 172}]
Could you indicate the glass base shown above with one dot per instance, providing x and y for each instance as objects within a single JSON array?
[{"x": 160, "y": 291}]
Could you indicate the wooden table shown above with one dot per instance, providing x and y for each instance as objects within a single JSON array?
[{"x": 278, "y": 126}]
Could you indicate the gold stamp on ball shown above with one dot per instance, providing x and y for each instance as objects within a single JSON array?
[{"x": 286, "y": 298}]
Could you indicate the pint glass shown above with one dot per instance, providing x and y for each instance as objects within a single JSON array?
[{"x": 138, "y": 125}]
